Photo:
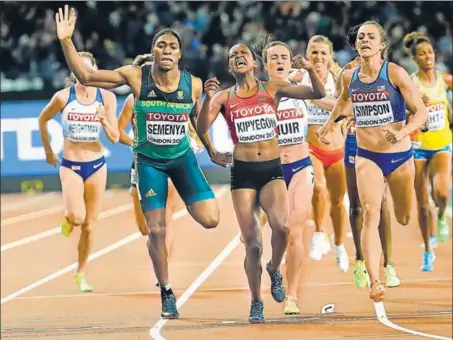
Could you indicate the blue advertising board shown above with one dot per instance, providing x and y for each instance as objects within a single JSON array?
[{"x": 22, "y": 153}]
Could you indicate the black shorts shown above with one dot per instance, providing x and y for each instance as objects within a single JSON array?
[{"x": 255, "y": 175}]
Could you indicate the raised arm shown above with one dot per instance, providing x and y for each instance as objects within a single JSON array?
[
  {"x": 56, "y": 104},
  {"x": 401, "y": 79},
  {"x": 65, "y": 21},
  {"x": 125, "y": 118}
]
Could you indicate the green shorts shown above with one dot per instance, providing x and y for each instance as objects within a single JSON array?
[{"x": 184, "y": 172}]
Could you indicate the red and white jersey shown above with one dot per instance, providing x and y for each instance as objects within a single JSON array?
[{"x": 251, "y": 119}]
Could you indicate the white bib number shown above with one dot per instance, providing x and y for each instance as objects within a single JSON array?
[
  {"x": 166, "y": 129},
  {"x": 83, "y": 127},
  {"x": 436, "y": 117},
  {"x": 255, "y": 128},
  {"x": 292, "y": 126},
  {"x": 316, "y": 115},
  {"x": 373, "y": 114}
]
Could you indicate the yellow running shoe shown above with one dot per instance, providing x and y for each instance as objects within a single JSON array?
[
  {"x": 66, "y": 228},
  {"x": 291, "y": 306},
  {"x": 361, "y": 278},
  {"x": 82, "y": 283},
  {"x": 391, "y": 279}
]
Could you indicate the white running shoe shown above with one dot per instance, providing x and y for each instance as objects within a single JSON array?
[
  {"x": 317, "y": 246},
  {"x": 341, "y": 256}
]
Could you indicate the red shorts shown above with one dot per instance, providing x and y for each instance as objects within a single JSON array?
[{"x": 327, "y": 157}]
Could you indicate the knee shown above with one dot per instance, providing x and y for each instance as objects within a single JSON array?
[
  {"x": 253, "y": 247},
  {"x": 156, "y": 229},
  {"x": 210, "y": 221},
  {"x": 371, "y": 212},
  {"x": 75, "y": 218},
  {"x": 355, "y": 210},
  {"x": 88, "y": 226},
  {"x": 403, "y": 219}
]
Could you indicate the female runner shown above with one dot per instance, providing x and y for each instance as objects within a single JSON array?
[
  {"x": 85, "y": 112},
  {"x": 378, "y": 92},
  {"x": 256, "y": 175},
  {"x": 292, "y": 118},
  {"x": 361, "y": 278},
  {"x": 432, "y": 146},
  {"x": 327, "y": 160}
]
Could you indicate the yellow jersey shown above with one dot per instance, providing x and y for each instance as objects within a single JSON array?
[{"x": 439, "y": 134}]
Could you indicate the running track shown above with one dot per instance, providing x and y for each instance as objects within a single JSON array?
[{"x": 40, "y": 299}]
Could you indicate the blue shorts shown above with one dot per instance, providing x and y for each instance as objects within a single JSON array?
[
  {"x": 84, "y": 169},
  {"x": 350, "y": 150},
  {"x": 387, "y": 162},
  {"x": 290, "y": 169},
  {"x": 152, "y": 180},
  {"x": 426, "y": 155}
]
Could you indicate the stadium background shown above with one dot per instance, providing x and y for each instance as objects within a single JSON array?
[{"x": 33, "y": 67}]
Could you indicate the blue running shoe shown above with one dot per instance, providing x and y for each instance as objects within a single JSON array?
[
  {"x": 277, "y": 288},
  {"x": 169, "y": 310},
  {"x": 256, "y": 312},
  {"x": 428, "y": 260}
]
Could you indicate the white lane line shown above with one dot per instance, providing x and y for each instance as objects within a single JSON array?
[
  {"x": 382, "y": 317},
  {"x": 54, "y": 231},
  {"x": 26, "y": 201},
  {"x": 154, "y": 332},
  {"x": 39, "y": 213},
  {"x": 32, "y": 215},
  {"x": 93, "y": 256},
  {"x": 210, "y": 290}
]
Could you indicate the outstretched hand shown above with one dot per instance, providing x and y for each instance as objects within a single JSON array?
[{"x": 65, "y": 22}]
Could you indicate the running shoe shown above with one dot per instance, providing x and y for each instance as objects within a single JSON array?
[
  {"x": 432, "y": 242},
  {"x": 391, "y": 279},
  {"x": 361, "y": 278},
  {"x": 428, "y": 261},
  {"x": 82, "y": 283},
  {"x": 443, "y": 230},
  {"x": 341, "y": 255},
  {"x": 377, "y": 291},
  {"x": 256, "y": 312},
  {"x": 291, "y": 306},
  {"x": 277, "y": 288},
  {"x": 169, "y": 309},
  {"x": 317, "y": 246},
  {"x": 66, "y": 228}
]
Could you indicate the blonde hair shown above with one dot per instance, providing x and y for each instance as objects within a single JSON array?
[
  {"x": 71, "y": 79},
  {"x": 412, "y": 40},
  {"x": 384, "y": 36},
  {"x": 324, "y": 40}
]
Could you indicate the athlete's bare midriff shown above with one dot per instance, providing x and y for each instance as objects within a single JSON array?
[
  {"x": 373, "y": 139},
  {"x": 293, "y": 153},
  {"x": 82, "y": 152},
  {"x": 257, "y": 151},
  {"x": 335, "y": 137}
]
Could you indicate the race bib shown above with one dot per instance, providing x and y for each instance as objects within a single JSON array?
[
  {"x": 292, "y": 126},
  {"x": 165, "y": 128},
  {"x": 316, "y": 115},
  {"x": 83, "y": 127},
  {"x": 436, "y": 117},
  {"x": 372, "y": 108},
  {"x": 255, "y": 124}
]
